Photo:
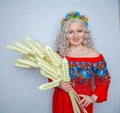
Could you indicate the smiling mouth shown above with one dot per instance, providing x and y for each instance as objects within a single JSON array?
[{"x": 75, "y": 40}]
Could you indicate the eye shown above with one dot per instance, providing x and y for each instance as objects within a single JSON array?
[
  {"x": 70, "y": 32},
  {"x": 79, "y": 31}
]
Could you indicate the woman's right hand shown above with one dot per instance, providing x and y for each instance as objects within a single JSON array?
[{"x": 66, "y": 86}]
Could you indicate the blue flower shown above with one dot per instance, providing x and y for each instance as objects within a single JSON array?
[
  {"x": 68, "y": 15},
  {"x": 77, "y": 13},
  {"x": 79, "y": 69},
  {"x": 85, "y": 74},
  {"x": 86, "y": 24}
]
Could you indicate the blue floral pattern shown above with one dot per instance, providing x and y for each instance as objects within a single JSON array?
[{"x": 85, "y": 70}]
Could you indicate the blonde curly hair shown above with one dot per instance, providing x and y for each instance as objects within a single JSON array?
[{"x": 62, "y": 43}]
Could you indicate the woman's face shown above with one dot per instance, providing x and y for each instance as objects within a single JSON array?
[{"x": 75, "y": 34}]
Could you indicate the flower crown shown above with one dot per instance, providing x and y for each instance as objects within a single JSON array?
[{"x": 74, "y": 15}]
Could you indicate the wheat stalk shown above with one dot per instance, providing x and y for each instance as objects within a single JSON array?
[{"x": 51, "y": 65}]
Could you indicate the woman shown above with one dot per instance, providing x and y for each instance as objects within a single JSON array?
[{"x": 85, "y": 66}]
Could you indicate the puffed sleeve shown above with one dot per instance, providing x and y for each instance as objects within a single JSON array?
[{"x": 101, "y": 80}]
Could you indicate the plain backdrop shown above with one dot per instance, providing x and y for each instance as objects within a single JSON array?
[{"x": 40, "y": 20}]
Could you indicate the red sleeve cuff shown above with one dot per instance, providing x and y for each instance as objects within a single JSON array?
[{"x": 101, "y": 93}]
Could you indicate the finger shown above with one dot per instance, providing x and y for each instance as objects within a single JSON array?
[
  {"x": 66, "y": 85},
  {"x": 67, "y": 89},
  {"x": 83, "y": 100},
  {"x": 87, "y": 104},
  {"x": 81, "y": 95},
  {"x": 84, "y": 104}
]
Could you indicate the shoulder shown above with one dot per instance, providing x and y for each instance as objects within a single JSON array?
[
  {"x": 92, "y": 52},
  {"x": 95, "y": 56}
]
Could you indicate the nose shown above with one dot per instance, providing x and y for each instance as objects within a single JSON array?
[{"x": 75, "y": 34}]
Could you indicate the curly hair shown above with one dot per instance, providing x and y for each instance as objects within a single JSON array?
[{"x": 62, "y": 43}]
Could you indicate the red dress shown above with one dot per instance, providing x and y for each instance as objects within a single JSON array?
[{"x": 82, "y": 72}]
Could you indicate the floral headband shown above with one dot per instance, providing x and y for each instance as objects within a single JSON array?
[{"x": 74, "y": 15}]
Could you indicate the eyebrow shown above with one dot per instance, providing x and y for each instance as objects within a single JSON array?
[{"x": 73, "y": 29}]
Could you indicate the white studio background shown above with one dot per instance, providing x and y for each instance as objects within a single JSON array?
[{"x": 40, "y": 19}]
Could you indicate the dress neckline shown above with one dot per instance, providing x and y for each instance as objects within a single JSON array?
[{"x": 87, "y": 59}]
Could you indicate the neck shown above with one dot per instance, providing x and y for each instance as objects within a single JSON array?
[
  {"x": 76, "y": 48},
  {"x": 76, "y": 51}
]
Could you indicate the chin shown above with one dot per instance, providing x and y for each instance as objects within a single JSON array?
[{"x": 75, "y": 44}]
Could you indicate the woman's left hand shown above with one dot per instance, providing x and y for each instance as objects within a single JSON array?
[{"x": 87, "y": 100}]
